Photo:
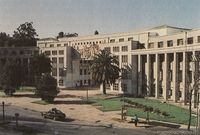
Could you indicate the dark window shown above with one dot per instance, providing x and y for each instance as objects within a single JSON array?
[
  {"x": 190, "y": 40},
  {"x": 179, "y": 41},
  {"x": 160, "y": 44},
  {"x": 121, "y": 39},
  {"x": 80, "y": 71},
  {"x": 169, "y": 43}
]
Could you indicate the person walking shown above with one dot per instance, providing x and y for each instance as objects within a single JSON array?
[{"x": 135, "y": 120}]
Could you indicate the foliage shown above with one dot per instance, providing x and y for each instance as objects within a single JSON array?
[
  {"x": 96, "y": 33},
  {"x": 11, "y": 77},
  {"x": 104, "y": 68},
  {"x": 5, "y": 40},
  {"x": 25, "y": 35},
  {"x": 40, "y": 64},
  {"x": 47, "y": 88}
]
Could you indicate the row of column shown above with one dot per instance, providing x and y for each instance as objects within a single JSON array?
[{"x": 153, "y": 73}]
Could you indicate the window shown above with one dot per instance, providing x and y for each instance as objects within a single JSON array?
[
  {"x": 21, "y": 52},
  {"x": 124, "y": 73},
  {"x": 116, "y": 86},
  {"x": 66, "y": 44},
  {"x": 124, "y": 87},
  {"x": 179, "y": 41},
  {"x": 61, "y": 52},
  {"x": 85, "y": 71},
  {"x": 28, "y": 51},
  {"x": 51, "y": 45},
  {"x": 14, "y": 53},
  {"x": 61, "y": 60},
  {"x": 124, "y": 58},
  {"x": 60, "y": 71},
  {"x": 198, "y": 39},
  {"x": 116, "y": 49},
  {"x": 151, "y": 45},
  {"x": 190, "y": 40},
  {"x": 160, "y": 44},
  {"x": 169, "y": 43},
  {"x": 47, "y": 52},
  {"x": 80, "y": 71},
  {"x": 121, "y": 39},
  {"x": 124, "y": 48},
  {"x": 116, "y": 56},
  {"x": 58, "y": 45},
  {"x": 112, "y": 40},
  {"x": 54, "y": 72},
  {"x": 60, "y": 82},
  {"x": 107, "y": 49},
  {"x": 130, "y": 38},
  {"x": 54, "y": 52}
]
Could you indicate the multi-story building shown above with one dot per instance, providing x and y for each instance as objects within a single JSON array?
[
  {"x": 159, "y": 60},
  {"x": 23, "y": 56}
]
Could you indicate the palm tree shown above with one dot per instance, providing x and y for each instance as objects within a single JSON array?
[
  {"x": 104, "y": 69},
  {"x": 40, "y": 64}
]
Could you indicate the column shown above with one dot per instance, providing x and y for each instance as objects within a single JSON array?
[
  {"x": 139, "y": 74},
  {"x": 148, "y": 74},
  {"x": 165, "y": 77},
  {"x": 174, "y": 78},
  {"x": 183, "y": 78},
  {"x": 157, "y": 75}
]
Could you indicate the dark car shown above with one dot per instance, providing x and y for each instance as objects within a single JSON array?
[{"x": 54, "y": 114}]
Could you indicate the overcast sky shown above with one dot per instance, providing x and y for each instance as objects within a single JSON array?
[{"x": 50, "y": 17}]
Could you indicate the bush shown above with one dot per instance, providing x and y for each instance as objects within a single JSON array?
[
  {"x": 47, "y": 88},
  {"x": 165, "y": 113},
  {"x": 156, "y": 110}
]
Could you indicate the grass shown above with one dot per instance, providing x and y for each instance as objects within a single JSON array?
[
  {"x": 41, "y": 102},
  {"x": 178, "y": 115},
  {"x": 28, "y": 131}
]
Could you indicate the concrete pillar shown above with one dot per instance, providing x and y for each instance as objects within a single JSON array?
[
  {"x": 183, "y": 78},
  {"x": 139, "y": 74},
  {"x": 157, "y": 75},
  {"x": 174, "y": 78},
  {"x": 148, "y": 74},
  {"x": 165, "y": 77}
]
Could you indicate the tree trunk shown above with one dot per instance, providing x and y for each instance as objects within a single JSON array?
[
  {"x": 104, "y": 87},
  {"x": 190, "y": 110}
]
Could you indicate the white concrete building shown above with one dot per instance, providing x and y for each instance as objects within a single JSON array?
[{"x": 160, "y": 60}]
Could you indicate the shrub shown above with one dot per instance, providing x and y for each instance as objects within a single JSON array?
[
  {"x": 156, "y": 110},
  {"x": 164, "y": 113}
]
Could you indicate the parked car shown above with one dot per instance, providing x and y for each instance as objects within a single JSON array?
[{"x": 53, "y": 114}]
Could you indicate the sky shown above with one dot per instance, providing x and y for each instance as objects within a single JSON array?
[{"x": 84, "y": 17}]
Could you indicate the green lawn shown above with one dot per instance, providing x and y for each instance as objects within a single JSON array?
[
  {"x": 177, "y": 114},
  {"x": 29, "y": 131}
]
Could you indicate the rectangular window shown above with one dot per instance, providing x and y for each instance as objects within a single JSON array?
[
  {"x": 21, "y": 52},
  {"x": 61, "y": 52},
  {"x": 116, "y": 86},
  {"x": 124, "y": 87},
  {"x": 47, "y": 52},
  {"x": 116, "y": 56},
  {"x": 124, "y": 48},
  {"x": 116, "y": 49},
  {"x": 60, "y": 82},
  {"x": 54, "y": 72},
  {"x": 124, "y": 58},
  {"x": 81, "y": 72},
  {"x": 107, "y": 49},
  {"x": 60, "y": 71},
  {"x": 151, "y": 45},
  {"x": 58, "y": 45},
  {"x": 61, "y": 60},
  {"x": 198, "y": 39},
  {"x": 112, "y": 40},
  {"x": 160, "y": 44},
  {"x": 124, "y": 73},
  {"x": 66, "y": 44},
  {"x": 85, "y": 71},
  {"x": 190, "y": 40},
  {"x": 121, "y": 39},
  {"x": 130, "y": 38},
  {"x": 51, "y": 45},
  {"x": 54, "y": 52},
  {"x": 179, "y": 41},
  {"x": 169, "y": 43},
  {"x": 54, "y": 60},
  {"x": 14, "y": 53}
]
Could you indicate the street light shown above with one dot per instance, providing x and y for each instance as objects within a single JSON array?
[{"x": 86, "y": 84}]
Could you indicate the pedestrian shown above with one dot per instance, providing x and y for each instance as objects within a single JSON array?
[{"x": 135, "y": 120}]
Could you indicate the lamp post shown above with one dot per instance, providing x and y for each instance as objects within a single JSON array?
[{"x": 86, "y": 84}]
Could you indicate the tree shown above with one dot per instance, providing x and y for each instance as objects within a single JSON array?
[
  {"x": 62, "y": 34},
  {"x": 40, "y": 64},
  {"x": 5, "y": 40},
  {"x": 11, "y": 77},
  {"x": 104, "y": 68},
  {"x": 25, "y": 35},
  {"x": 47, "y": 88},
  {"x": 96, "y": 33}
]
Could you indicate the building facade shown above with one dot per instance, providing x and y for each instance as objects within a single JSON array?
[{"x": 161, "y": 62}]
